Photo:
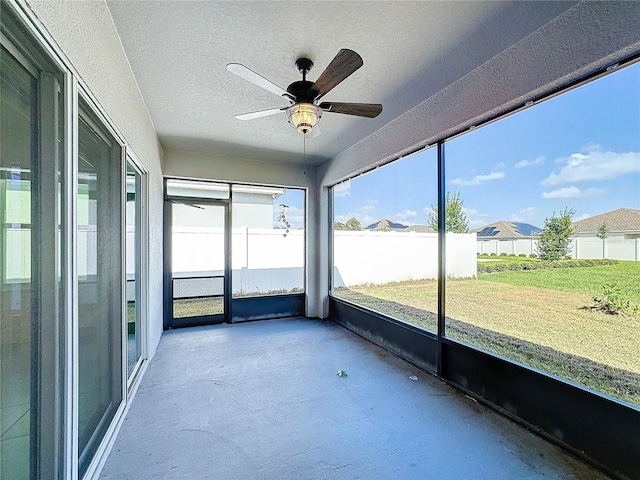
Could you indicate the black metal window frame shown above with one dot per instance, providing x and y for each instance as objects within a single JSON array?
[
  {"x": 237, "y": 309},
  {"x": 553, "y": 407}
]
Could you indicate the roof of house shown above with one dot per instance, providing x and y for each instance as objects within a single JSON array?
[
  {"x": 619, "y": 220},
  {"x": 386, "y": 225},
  {"x": 419, "y": 229},
  {"x": 506, "y": 229}
]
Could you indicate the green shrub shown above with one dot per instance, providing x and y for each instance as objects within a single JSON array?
[
  {"x": 533, "y": 255},
  {"x": 492, "y": 254},
  {"x": 611, "y": 301},
  {"x": 522, "y": 255},
  {"x": 498, "y": 266}
]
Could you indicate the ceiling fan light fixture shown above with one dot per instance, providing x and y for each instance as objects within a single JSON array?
[{"x": 304, "y": 116}]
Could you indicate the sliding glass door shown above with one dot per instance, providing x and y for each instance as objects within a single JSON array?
[
  {"x": 31, "y": 176},
  {"x": 99, "y": 283}
]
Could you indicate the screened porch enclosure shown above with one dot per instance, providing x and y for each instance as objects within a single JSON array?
[{"x": 191, "y": 290}]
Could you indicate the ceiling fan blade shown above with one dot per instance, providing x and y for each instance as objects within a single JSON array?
[
  {"x": 369, "y": 110},
  {"x": 260, "y": 113},
  {"x": 257, "y": 79},
  {"x": 343, "y": 64}
]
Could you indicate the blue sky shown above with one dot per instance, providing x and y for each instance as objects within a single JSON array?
[{"x": 579, "y": 150}]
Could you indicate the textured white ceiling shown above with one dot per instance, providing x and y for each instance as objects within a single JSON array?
[{"x": 411, "y": 51}]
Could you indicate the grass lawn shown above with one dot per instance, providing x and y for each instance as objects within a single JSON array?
[
  {"x": 195, "y": 307},
  {"x": 626, "y": 275},
  {"x": 534, "y": 317}
]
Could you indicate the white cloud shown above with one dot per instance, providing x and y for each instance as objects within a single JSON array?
[
  {"x": 367, "y": 208},
  {"x": 478, "y": 179},
  {"x": 405, "y": 215},
  {"x": 364, "y": 219},
  {"x": 529, "y": 163},
  {"x": 526, "y": 215},
  {"x": 476, "y": 219},
  {"x": 582, "y": 217},
  {"x": 342, "y": 189},
  {"x": 594, "y": 165},
  {"x": 573, "y": 192}
]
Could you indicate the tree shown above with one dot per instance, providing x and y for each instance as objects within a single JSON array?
[
  {"x": 352, "y": 224},
  {"x": 555, "y": 238},
  {"x": 602, "y": 231},
  {"x": 602, "y": 234},
  {"x": 455, "y": 218}
]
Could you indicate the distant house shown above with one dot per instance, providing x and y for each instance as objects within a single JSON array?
[
  {"x": 385, "y": 225},
  {"x": 505, "y": 237},
  {"x": 389, "y": 226},
  {"x": 419, "y": 229},
  {"x": 506, "y": 230},
  {"x": 622, "y": 238},
  {"x": 622, "y": 222}
]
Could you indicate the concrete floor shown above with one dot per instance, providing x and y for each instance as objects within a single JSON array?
[{"x": 262, "y": 400}]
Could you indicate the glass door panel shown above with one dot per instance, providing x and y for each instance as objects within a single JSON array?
[
  {"x": 133, "y": 287},
  {"x": 19, "y": 289},
  {"x": 198, "y": 264},
  {"x": 99, "y": 284}
]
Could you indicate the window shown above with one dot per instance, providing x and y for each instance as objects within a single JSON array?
[
  {"x": 385, "y": 249},
  {"x": 268, "y": 240},
  {"x": 576, "y": 156}
]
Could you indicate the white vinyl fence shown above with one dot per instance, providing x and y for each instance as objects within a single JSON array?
[
  {"x": 383, "y": 257},
  {"x": 267, "y": 260},
  {"x": 613, "y": 248},
  {"x": 262, "y": 260}
]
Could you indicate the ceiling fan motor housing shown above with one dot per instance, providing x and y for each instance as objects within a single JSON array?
[{"x": 300, "y": 90}]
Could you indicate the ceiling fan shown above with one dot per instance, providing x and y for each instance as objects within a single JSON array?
[{"x": 304, "y": 111}]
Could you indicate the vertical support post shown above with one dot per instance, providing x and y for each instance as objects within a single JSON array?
[
  {"x": 330, "y": 227},
  {"x": 442, "y": 257},
  {"x": 46, "y": 329},
  {"x": 167, "y": 271},
  {"x": 70, "y": 278},
  {"x": 228, "y": 224}
]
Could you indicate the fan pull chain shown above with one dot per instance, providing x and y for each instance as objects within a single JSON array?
[{"x": 304, "y": 155}]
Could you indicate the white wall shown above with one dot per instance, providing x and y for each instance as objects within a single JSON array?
[{"x": 84, "y": 31}]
